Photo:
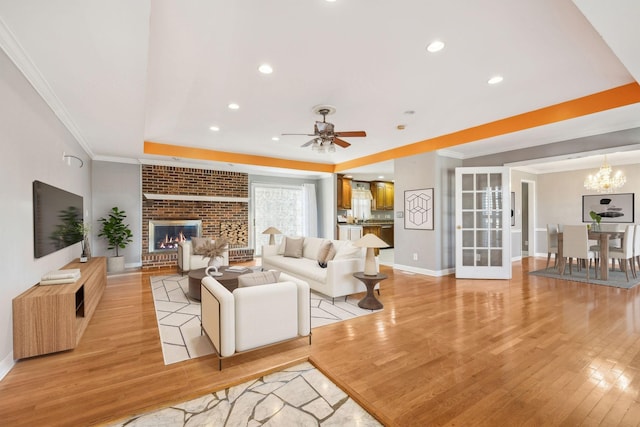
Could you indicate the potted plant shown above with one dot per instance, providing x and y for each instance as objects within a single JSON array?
[
  {"x": 118, "y": 236},
  {"x": 596, "y": 220}
]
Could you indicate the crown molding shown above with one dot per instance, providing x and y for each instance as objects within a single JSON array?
[{"x": 16, "y": 53}]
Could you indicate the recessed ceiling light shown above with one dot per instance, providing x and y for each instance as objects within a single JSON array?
[
  {"x": 265, "y": 69},
  {"x": 495, "y": 80},
  {"x": 233, "y": 106},
  {"x": 435, "y": 46},
  {"x": 330, "y": 1},
  {"x": 381, "y": 177},
  {"x": 214, "y": 128},
  {"x": 275, "y": 138}
]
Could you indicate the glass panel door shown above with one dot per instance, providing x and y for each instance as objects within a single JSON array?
[{"x": 483, "y": 223}]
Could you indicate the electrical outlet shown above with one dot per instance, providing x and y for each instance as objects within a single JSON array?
[{"x": 415, "y": 256}]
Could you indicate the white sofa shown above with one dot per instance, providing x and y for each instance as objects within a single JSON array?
[
  {"x": 254, "y": 316},
  {"x": 187, "y": 260},
  {"x": 336, "y": 280}
]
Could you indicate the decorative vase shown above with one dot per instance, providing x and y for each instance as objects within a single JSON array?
[
  {"x": 595, "y": 226},
  {"x": 214, "y": 264}
]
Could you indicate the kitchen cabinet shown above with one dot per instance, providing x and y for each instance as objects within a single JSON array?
[
  {"x": 386, "y": 234},
  {"x": 344, "y": 192},
  {"x": 349, "y": 232},
  {"x": 382, "y": 195}
]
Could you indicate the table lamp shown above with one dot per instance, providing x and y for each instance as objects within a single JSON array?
[
  {"x": 272, "y": 231},
  {"x": 370, "y": 241}
]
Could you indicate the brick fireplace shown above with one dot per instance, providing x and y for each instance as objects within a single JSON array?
[{"x": 217, "y": 198}]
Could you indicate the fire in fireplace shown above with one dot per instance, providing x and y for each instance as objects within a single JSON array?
[{"x": 164, "y": 235}]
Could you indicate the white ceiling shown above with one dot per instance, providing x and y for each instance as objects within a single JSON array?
[{"x": 120, "y": 72}]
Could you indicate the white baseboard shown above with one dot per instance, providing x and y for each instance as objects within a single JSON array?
[
  {"x": 424, "y": 271},
  {"x": 6, "y": 365}
]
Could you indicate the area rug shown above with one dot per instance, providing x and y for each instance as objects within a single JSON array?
[
  {"x": 298, "y": 396},
  {"x": 617, "y": 278},
  {"x": 179, "y": 317}
]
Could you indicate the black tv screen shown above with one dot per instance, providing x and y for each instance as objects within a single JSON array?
[{"x": 57, "y": 216}]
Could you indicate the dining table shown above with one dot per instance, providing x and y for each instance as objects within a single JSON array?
[{"x": 603, "y": 238}]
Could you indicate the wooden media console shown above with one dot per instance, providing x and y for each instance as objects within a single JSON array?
[{"x": 53, "y": 318}]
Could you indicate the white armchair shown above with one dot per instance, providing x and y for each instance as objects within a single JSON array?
[
  {"x": 255, "y": 316},
  {"x": 188, "y": 261}
]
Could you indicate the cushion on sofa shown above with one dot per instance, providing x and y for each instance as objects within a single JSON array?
[
  {"x": 311, "y": 246},
  {"x": 293, "y": 247},
  {"x": 197, "y": 243},
  {"x": 348, "y": 251},
  {"x": 258, "y": 278},
  {"x": 323, "y": 253}
]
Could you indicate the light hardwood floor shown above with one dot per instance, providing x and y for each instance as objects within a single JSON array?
[{"x": 529, "y": 351}]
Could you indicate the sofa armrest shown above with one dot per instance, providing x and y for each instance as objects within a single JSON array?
[
  {"x": 269, "y": 250},
  {"x": 340, "y": 268},
  {"x": 218, "y": 316},
  {"x": 184, "y": 256},
  {"x": 304, "y": 303},
  {"x": 265, "y": 314}
]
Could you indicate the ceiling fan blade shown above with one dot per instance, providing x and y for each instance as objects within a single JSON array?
[
  {"x": 351, "y": 134},
  {"x": 341, "y": 143},
  {"x": 308, "y": 143}
]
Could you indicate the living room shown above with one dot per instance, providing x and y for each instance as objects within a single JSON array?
[{"x": 36, "y": 141}]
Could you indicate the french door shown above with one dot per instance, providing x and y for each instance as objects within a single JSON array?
[{"x": 483, "y": 223}]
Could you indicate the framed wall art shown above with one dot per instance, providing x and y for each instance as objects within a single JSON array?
[
  {"x": 618, "y": 208},
  {"x": 418, "y": 209}
]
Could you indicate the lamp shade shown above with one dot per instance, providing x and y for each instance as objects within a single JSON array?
[
  {"x": 272, "y": 231},
  {"x": 370, "y": 241}
]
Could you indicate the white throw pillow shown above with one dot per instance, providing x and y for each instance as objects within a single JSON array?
[{"x": 348, "y": 251}]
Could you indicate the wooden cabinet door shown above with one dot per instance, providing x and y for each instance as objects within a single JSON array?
[
  {"x": 388, "y": 187},
  {"x": 344, "y": 192}
]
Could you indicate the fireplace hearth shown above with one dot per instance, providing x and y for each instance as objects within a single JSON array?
[{"x": 164, "y": 235}]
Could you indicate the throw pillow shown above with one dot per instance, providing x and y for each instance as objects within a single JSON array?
[
  {"x": 259, "y": 278},
  {"x": 323, "y": 252},
  {"x": 332, "y": 253},
  {"x": 293, "y": 247},
  {"x": 197, "y": 243}
]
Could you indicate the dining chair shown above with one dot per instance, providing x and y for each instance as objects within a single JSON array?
[
  {"x": 625, "y": 253},
  {"x": 636, "y": 247},
  {"x": 576, "y": 245},
  {"x": 552, "y": 244}
]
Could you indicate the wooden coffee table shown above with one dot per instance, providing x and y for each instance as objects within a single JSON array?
[{"x": 229, "y": 280}]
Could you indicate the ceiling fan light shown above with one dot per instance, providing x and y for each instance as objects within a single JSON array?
[{"x": 332, "y": 148}]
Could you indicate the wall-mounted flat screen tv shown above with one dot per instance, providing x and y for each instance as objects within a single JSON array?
[{"x": 57, "y": 216}]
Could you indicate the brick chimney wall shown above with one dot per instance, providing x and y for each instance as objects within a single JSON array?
[{"x": 172, "y": 180}]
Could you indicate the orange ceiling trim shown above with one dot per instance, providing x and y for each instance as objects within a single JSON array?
[
  {"x": 160, "y": 149},
  {"x": 612, "y": 98}
]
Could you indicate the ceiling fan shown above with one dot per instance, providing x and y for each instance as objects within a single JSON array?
[{"x": 325, "y": 137}]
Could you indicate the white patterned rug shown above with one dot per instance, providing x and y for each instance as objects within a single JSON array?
[{"x": 179, "y": 317}]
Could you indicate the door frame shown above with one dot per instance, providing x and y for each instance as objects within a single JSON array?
[{"x": 502, "y": 216}]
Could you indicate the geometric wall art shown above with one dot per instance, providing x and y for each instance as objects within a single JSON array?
[{"x": 418, "y": 209}]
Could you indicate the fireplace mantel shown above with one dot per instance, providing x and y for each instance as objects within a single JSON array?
[{"x": 192, "y": 197}]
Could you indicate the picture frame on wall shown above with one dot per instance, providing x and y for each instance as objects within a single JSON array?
[
  {"x": 418, "y": 209},
  {"x": 612, "y": 208}
]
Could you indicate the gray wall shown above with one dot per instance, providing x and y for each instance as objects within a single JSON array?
[
  {"x": 33, "y": 141},
  {"x": 435, "y": 248},
  {"x": 118, "y": 184}
]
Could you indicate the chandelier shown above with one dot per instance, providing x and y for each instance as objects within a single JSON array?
[{"x": 603, "y": 182}]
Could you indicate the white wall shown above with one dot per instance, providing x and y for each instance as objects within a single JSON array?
[
  {"x": 560, "y": 194},
  {"x": 33, "y": 141}
]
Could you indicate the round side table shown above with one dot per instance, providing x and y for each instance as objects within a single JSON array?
[{"x": 370, "y": 302}]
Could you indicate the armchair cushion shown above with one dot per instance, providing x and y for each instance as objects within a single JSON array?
[{"x": 258, "y": 278}]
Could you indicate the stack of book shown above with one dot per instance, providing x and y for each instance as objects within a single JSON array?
[{"x": 58, "y": 277}]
